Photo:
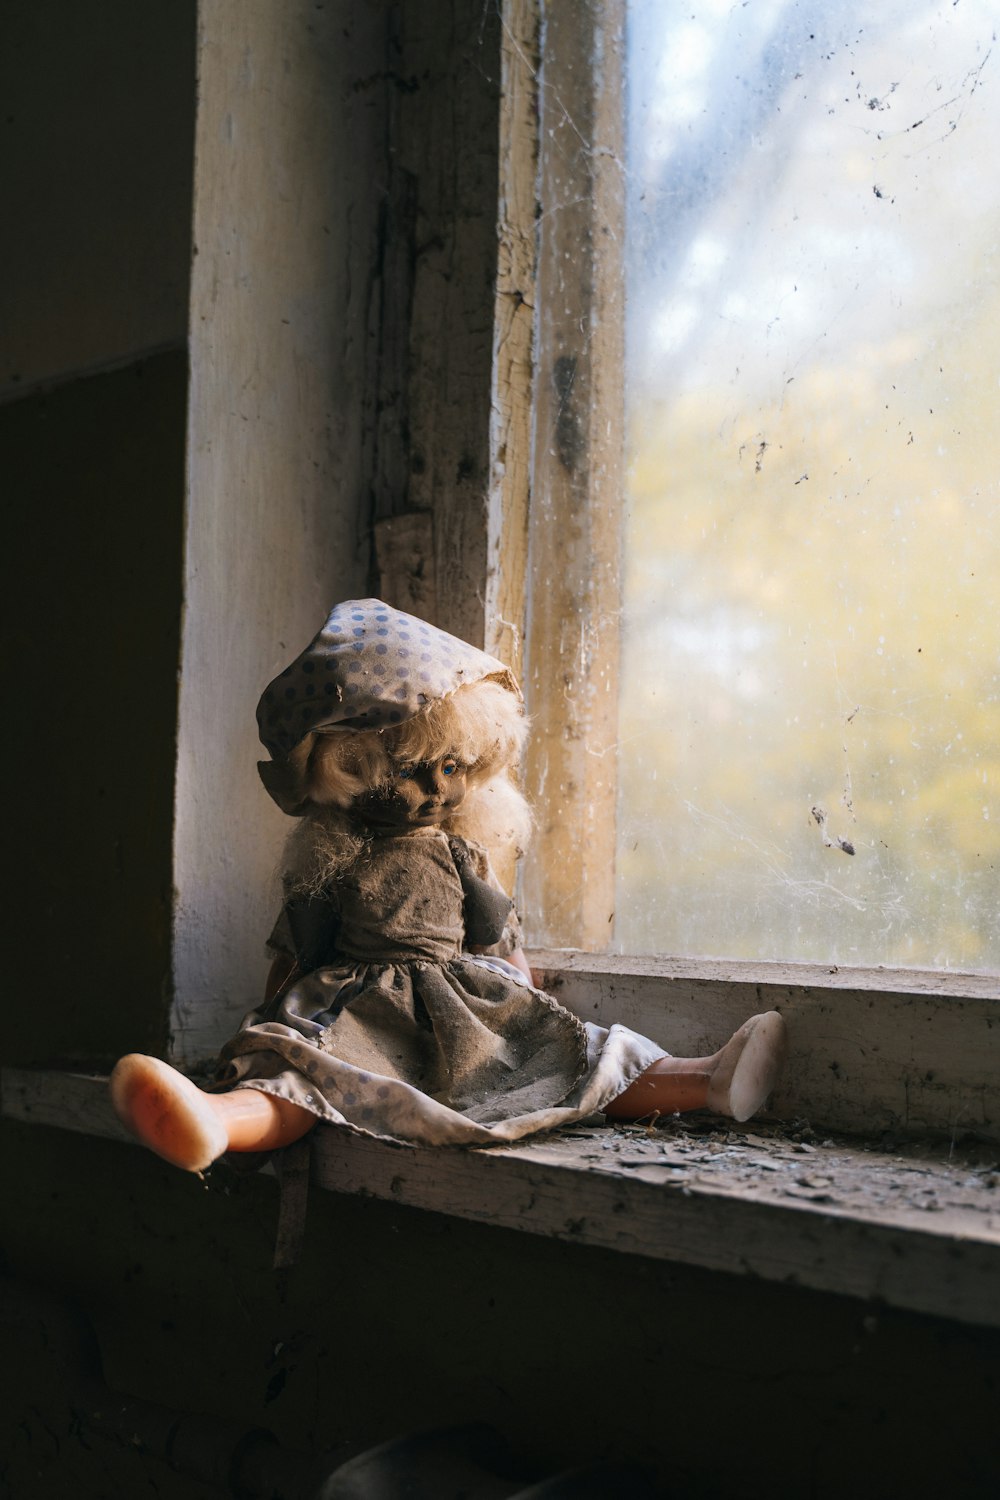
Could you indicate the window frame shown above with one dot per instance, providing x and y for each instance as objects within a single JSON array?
[{"x": 578, "y": 462}]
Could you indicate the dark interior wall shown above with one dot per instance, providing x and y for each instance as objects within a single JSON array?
[
  {"x": 98, "y": 131},
  {"x": 95, "y": 481},
  {"x": 98, "y": 107}
]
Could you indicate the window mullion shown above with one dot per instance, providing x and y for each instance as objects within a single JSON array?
[{"x": 574, "y": 564}]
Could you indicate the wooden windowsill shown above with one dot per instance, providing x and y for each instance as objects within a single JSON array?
[{"x": 908, "y": 1225}]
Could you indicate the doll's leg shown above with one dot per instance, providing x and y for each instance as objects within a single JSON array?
[
  {"x": 734, "y": 1082},
  {"x": 190, "y": 1128}
]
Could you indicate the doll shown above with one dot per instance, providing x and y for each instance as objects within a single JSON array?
[{"x": 400, "y": 1004}]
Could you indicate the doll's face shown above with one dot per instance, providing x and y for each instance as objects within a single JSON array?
[{"x": 416, "y": 796}]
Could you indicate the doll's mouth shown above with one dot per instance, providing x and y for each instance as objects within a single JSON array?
[
  {"x": 419, "y": 819},
  {"x": 387, "y": 815}
]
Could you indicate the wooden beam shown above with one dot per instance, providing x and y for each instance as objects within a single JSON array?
[
  {"x": 574, "y": 588},
  {"x": 644, "y": 1196},
  {"x": 433, "y": 340},
  {"x": 513, "y": 336}
]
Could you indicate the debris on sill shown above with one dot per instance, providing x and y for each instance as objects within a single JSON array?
[{"x": 884, "y": 1177}]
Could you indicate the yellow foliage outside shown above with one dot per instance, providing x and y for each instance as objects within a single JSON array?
[{"x": 817, "y": 596}]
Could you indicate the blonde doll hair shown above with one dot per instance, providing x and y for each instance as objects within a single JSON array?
[{"x": 482, "y": 725}]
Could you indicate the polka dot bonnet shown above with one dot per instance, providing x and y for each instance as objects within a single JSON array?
[{"x": 370, "y": 667}]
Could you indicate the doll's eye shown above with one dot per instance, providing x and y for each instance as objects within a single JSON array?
[
  {"x": 449, "y": 767},
  {"x": 405, "y": 773}
]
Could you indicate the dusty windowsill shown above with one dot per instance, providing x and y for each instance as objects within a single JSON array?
[{"x": 912, "y": 1225}]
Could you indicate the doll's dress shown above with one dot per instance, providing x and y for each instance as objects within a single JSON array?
[{"x": 405, "y": 1036}]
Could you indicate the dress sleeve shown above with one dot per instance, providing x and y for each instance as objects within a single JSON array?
[
  {"x": 307, "y": 930},
  {"x": 281, "y": 943},
  {"x": 507, "y": 926}
]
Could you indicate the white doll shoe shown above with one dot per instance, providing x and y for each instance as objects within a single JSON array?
[
  {"x": 167, "y": 1112},
  {"x": 748, "y": 1067}
]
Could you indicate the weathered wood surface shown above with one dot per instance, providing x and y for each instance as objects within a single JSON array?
[
  {"x": 433, "y": 321},
  {"x": 917, "y": 1232},
  {"x": 574, "y": 574},
  {"x": 513, "y": 337},
  {"x": 68, "y": 1101},
  {"x": 869, "y": 1050},
  {"x": 509, "y": 497},
  {"x": 945, "y": 983},
  {"x": 909, "y": 1225}
]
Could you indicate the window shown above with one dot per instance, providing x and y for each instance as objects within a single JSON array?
[{"x": 800, "y": 763}]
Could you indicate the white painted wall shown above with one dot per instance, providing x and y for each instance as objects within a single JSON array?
[{"x": 288, "y": 161}]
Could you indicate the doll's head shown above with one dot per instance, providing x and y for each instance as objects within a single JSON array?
[
  {"x": 441, "y": 767},
  {"x": 386, "y": 721}
]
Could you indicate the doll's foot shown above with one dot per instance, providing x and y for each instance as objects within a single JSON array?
[
  {"x": 748, "y": 1067},
  {"x": 167, "y": 1112}
]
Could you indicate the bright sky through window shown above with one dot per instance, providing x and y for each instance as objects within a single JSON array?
[{"x": 811, "y": 651}]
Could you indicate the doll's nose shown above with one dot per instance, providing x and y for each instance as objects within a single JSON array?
[{"x": 432, "y": 782}]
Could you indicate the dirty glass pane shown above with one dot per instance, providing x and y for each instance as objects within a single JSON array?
[{"x": 810, "y": 722}]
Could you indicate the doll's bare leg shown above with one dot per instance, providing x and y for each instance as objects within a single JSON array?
[
  {"x": 190, "y": 1128},
  {"x": 734, "y": 1082}
]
